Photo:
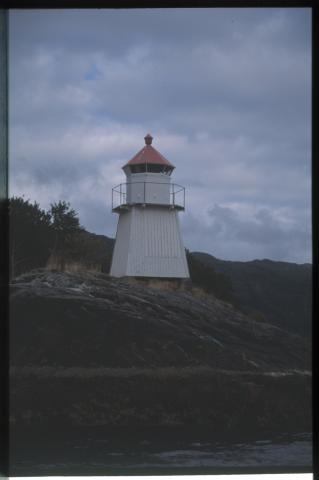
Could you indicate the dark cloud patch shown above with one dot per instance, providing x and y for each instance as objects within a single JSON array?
[{"x": 261, "y": 228}]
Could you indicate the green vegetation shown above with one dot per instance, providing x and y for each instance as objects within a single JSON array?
[
  {"x": 31, "y": 236},
  {"x": 65, "y": 225},
  {"x": 39, "y": 237},
  {"x": 275, "y": 292},
  {"x": 209, "y": 280}
]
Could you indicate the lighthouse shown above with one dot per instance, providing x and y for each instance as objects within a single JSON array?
[{"x": 148, "y": 238}]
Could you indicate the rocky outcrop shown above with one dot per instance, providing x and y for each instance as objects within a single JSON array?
[
  {"x": 94, "y": 350},
  {"x": 87, "y": 320}
]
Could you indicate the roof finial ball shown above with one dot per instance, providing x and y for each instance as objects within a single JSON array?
[{"x": 148, "y": 139}]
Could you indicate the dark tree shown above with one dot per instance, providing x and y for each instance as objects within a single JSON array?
[
  {"x": 31, "y": 236},
  {"x": 64, "y": 218},
  {"x": 66, "y": 225}
]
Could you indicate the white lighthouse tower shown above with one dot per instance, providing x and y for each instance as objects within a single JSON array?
[{"x": 148, "y": 238}]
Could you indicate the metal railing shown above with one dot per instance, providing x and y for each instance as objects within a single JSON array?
[{"x": 120, "y": 200}]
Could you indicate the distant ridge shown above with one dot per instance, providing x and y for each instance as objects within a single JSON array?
[{"x": 279, "y": 292}]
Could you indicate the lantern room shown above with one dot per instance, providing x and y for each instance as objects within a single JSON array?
[{"x": 148, "y": 181}]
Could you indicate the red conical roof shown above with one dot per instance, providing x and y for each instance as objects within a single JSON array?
[{"x": 149, "y": 154}]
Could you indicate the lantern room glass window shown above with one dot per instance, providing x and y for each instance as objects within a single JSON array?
[{"x": 151, "y": 168}]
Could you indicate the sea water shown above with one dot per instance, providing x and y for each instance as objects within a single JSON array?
[{"x": 94, "y": 455}]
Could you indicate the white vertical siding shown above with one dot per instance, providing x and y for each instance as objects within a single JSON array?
[
  {"x": 149, "y": 243},
  {"x": 121, "y": 247}
]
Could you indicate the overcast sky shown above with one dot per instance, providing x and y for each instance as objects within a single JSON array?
[{"x": 226, "y": 94}]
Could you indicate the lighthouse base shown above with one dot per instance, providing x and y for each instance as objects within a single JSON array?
[{"x": 149, "y": 244}]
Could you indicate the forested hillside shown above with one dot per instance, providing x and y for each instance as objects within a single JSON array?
[{"x": 276, "y": 292}]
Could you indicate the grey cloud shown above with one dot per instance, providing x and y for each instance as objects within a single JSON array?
[
  {"x": 98, "y": 28},
  {"x": 243, "y": 237},
  {"x": 261, "y": 230},
  {"x": 184, "y": 88},
  {"x": 225, "y": 92}
]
